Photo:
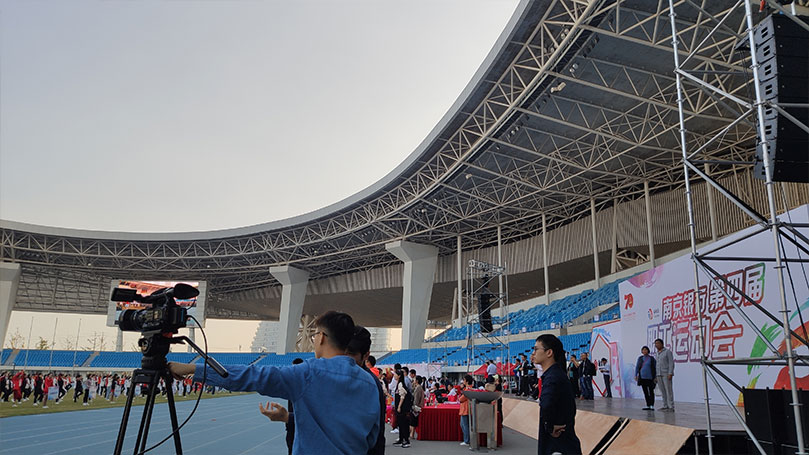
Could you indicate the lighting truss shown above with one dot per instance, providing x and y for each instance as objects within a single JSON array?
[{"x": 480, "y": 277}]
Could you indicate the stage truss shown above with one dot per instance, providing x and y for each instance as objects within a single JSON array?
[
  {"x": 730, "y": 32},
  {"x": 480, "y": 278}
]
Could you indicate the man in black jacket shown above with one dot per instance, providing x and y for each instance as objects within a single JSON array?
[
  {"x": 587, "y": 370},
  {"x": 525, "y": 375},
  {"x": 557, "y": 414}
]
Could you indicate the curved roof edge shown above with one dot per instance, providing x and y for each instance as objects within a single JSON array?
[{"x": 422, "y": 149}]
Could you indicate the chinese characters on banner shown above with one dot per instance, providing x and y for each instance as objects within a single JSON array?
[
  {"x": 661, "y": 303},
  {"x": 679, "y": 326}
]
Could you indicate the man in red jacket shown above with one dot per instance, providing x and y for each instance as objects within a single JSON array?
[{"x": 17, "y": 381}]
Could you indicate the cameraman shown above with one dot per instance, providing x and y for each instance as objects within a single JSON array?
[{"x": 331, "y": 388}]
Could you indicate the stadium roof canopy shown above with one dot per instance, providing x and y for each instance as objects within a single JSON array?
[{"x": 576, "y": 101}]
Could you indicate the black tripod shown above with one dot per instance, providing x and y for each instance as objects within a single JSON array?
[{"x": 153, "y": 368}]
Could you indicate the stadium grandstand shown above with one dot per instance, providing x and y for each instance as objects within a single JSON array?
[{"x": 561, "y": 161}]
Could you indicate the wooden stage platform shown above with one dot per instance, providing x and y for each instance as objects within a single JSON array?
[
  {"x": 688, "y": 415},
  {"x": 621, "y": 426}
]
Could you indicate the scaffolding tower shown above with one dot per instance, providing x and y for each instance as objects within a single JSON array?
[
  {"x": 699, "y": 35},
  {"x": 481, "y": 278}
]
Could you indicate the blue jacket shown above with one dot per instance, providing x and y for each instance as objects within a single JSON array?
[
  {"x": 646, "y": 368},
  {"x": 336, "y": 402},
  {"x": 557, "y": 406}
]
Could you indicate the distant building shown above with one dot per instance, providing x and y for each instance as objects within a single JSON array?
[
  {"x": 380, "y": 339},
  {"x": 266, "y": 338}
]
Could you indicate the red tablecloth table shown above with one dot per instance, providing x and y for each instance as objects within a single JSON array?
[{"x": 442, "y": 423}]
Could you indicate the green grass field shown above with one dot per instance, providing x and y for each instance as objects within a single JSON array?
[{"x": 27, "y": 407}]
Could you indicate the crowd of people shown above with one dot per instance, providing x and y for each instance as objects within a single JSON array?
[
  {"x": 343, "y": 377},
  {"x": 344, "y": 372},
  {"x": 40, "y": 387}
]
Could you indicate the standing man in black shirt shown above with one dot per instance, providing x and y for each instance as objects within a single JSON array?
[
  {"x": 557, "y": 405},
  {"x": 525, "y": 375}
]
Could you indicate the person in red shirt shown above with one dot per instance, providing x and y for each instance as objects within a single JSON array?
[
  {"x": 468, "y": 384},
  {"x": 17, "y": 381},
  {"x": 47, "y": 385},
  {"x": 370, "y": 363}
]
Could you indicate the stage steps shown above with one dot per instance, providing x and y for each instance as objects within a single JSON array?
[{"x": 602, "y": 434}]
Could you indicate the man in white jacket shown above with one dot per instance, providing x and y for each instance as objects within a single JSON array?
[{"x": 665, "y": 373}]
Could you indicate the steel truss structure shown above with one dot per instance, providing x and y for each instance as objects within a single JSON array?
[
  {"x": 480, "y": 278},
  {"x": 576, "y": 103},
  {"x": 700, "y": 29}
]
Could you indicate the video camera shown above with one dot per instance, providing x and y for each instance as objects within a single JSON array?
[{"x": 165, "y": 316}]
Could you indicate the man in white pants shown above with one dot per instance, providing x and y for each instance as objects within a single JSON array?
[{"x": 665, "y": 372}]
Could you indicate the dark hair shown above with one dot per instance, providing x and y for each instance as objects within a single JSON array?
[
  {"x": 372, "y": 360},
  {"x": 360, "y": 342},
  {"x": 399, "y": 372},
  {"x": 339, "y": 328},
  {"x": 661, "y": 341},
  {"x": 550, "y": 342},
  {"x": 397, "y": 366},
  {"x": 412, "y": 371},
  {"x": 297, "y": 361},
  {"x": 603, "y": 359},
  {"x": 469, "y": 379},
  {"x": 645, "y": 347}
]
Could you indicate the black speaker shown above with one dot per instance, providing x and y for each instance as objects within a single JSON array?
[
  {"x": 764, "y": 414},
  {"x": 783, "y": 58},
  {"x": 770, "y": 417},
  {"x": 484, "y": 311}
]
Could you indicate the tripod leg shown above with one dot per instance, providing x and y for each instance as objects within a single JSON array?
[
  {"x": 119, "y": 443},
  {"x": 178, "y": 447},
  {"x": 146, "y": 420}
]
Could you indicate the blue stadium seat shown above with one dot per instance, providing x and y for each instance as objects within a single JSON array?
[{"x": 45, "y": 358}]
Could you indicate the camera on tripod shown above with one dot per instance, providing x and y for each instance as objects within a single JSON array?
[
  {"x": 164, "y": 316},
  {"x": 157, "y": 323}
]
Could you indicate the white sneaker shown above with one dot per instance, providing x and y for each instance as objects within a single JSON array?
[
  {"x": 464, "y": 444},
  {"x": 44, "y": 407},
  {"x": 395, "y": 430},
  {"x": 36, "y": 404}
]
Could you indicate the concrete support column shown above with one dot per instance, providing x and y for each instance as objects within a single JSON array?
[
  {"x": 9, "y": 281},
  {"x": 545, "y": 259},
  {"x": 500, "y": 264},
  {"x": 293, "y": 292},
  {"x": 595, "y": 243},
  {"x": 119, "y": 341},
  {"x": 192, "y": 335},
  {"x": 614, "y": 240},
  {"x": 711, "y": 207},
  {"x": 419, "y": 273},
  {"x": 649, "y": 223},
  {"x": 459, "y": 265}
]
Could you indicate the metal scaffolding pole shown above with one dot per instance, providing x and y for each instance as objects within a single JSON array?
[
  {"x": 691, "y": 226},
  {"x": 714, "y": 87}
]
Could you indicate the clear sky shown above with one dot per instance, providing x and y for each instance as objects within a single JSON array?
[{"x": 115, "y": 115}]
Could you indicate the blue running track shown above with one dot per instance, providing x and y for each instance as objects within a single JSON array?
[{"x": 227, "y": 425}]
